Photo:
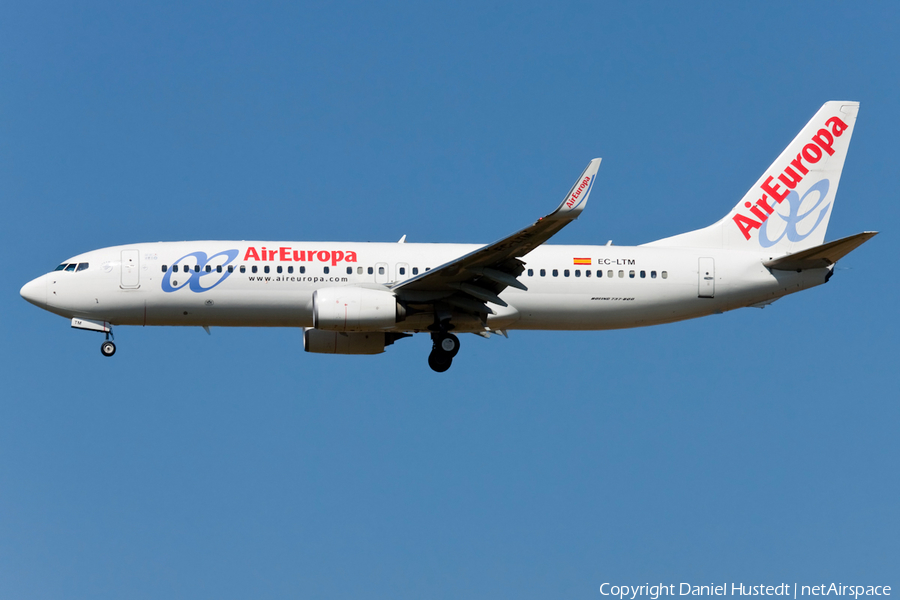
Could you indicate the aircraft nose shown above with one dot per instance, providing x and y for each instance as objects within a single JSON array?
[{"x": 35, "y": 291}]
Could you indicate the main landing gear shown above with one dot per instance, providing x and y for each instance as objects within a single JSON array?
[
  {"x": 108, "y": 348},
  {"x": 445, "y": 346}
]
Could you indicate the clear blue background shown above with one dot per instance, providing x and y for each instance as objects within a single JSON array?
[{"x": 758, "y": 446}]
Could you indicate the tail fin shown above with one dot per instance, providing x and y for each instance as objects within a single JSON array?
[{"x": 788, "y": 208}]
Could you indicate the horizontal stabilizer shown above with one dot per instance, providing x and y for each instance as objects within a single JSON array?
[{"x": 822, "y": 256}]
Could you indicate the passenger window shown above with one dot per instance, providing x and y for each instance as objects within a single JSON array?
[
  {"x": 302, "y": 269},
  {"x": 371, "y": 270},
  {"x": 621, "y": 274},
  {"x": 185, "y": 268},
  {"x": 665, "y": 275},
  {"x": 543, "y": 272},
  {"x": 609, "y": 273},
  {"x": 643, "y": 274},
  {"x": 243, "y": 268},
  {"x": 164, "y": 268},
  {"x": 415, "y": 270},
  {"x": 71, "y": 267},
  {"x": 427, "y": 268},
  {"x": 266, "y": 269},
  {"x": 208, "y": 268},
  {"x": 587, "y": 273},
  {"x": 652, "y": 274},
  {"x": 381, "y": 270},
  {"x": 349, "y": 270},
  {"x": 253, "y": 268},
  {"x": 403, "y": 270},
  {"x": 196, "y": 268},
  {"x": 599, "y": 273},
  {"x": 60, "y": 267},
  {"x": 327, "y": 270},
  {"x": 531, "y": 272},
  {"x": 219, "y": 269},
  {"x": 577, "y": 272},
  {"x": 631, "y": 274},
  {"x": 278, "y": 269},
  {"x": 231, "y": 268},
  {"x": 555, "y": 273},
  {"x": 290, "y": 268},
  {"x": 566, "y": 273},
  {"x": 359, "y": 271}
]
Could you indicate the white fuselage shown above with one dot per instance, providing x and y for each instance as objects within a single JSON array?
[
  {"x": 359, "y": 298},
  {"x": 272, "y": 285}
]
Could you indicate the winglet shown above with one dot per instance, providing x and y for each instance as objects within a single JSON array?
[{"x": 576, "y": 199}]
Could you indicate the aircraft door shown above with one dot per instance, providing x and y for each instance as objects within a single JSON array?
[
  {"x": 402, "y": 272},
  {"x": 381, "y": 273},
  {"x": 131, "y": 269},
  {"x": 707, "y": 278}
]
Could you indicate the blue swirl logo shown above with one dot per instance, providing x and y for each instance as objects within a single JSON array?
[
  {"x": 794, "y": 202},
  {"x": 202, "y": 272}
]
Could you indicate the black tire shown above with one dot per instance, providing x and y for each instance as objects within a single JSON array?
[
  {"x": 107, "y": 348},
  {"x": 448, "y": 344},
  {"x": 439, "y": 361}
]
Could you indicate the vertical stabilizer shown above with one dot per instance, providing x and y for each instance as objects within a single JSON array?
[{"x": 788, "y": 208}]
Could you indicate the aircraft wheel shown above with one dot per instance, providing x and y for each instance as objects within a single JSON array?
[
  {"x": 448, "y": 344},
  {"x": 439, "y": 361},
  {"x": 107, "y": 348}
]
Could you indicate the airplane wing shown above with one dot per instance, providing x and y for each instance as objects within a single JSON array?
[{"x": 473, "y": 279}]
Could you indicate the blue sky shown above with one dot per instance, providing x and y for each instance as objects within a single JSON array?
[{"x": 756, "y": 446}]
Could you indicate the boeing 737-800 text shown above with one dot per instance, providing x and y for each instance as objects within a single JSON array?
[{"x": 358, "y": 298}]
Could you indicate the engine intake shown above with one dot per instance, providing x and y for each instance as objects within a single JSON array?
[{"x": 355, "y": 309}]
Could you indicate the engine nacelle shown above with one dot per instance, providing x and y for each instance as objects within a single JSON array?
[
  {"x": 336, "y": 342},
  {"x": 355, "y": 309}
]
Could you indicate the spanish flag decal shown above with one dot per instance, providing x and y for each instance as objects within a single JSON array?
[{"x": 582, "y": 261}]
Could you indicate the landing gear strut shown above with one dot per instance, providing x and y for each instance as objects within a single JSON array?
[
  {"x": 445, "y": 346},
  {"x": 108, "y": 348}
]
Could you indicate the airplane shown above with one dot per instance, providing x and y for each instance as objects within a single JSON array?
[{"x": 359, "y": 298}]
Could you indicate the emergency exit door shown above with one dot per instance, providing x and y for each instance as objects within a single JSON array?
[
  {"x": 381, "y": 273},
  {"x": 707, "y": 275}
]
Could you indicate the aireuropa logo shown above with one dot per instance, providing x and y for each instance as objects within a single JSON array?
[
  {"x": 775, "y": 191},
  {"x": 794, "y": 217},
  {"x": 202, "y": 270},
  {"x": 580, "y": 188}
]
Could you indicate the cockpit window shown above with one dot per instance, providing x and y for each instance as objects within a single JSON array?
[
  {"x": 81, "y": 267},
  {"x": 61, "y": 267},
  {"x": 71, "y": 267}
]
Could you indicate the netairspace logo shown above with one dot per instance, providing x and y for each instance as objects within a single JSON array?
[{"x": 654, "y": 592}]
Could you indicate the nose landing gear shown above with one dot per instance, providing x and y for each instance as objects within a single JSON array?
[{"x": 445, "y": 346}]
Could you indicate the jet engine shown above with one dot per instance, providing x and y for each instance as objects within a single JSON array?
[
  {"x": 337, "y": 342},
  {"x": 355, "y": 309}
]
